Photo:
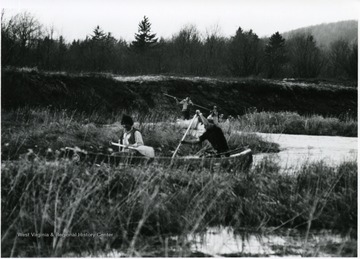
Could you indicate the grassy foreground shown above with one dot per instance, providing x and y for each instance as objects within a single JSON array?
[{"x": 49, "y": 209}]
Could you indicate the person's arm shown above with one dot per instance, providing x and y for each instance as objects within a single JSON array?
[
  {"x": 193, "y": 141},
  {"x": 196, "y": 141},
  {"x": 138, "y": 139}
]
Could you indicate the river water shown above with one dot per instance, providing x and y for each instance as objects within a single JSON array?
[
  {"x": 299, "y": 149},
  {"x": 295, "y": 151},
  {"x": 224, "y": 242}
]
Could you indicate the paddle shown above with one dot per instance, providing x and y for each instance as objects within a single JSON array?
[
  {"x": 168, "y": 95},
  {"x": 176, "y": 150},
  {"x": 144, "y": 150}
]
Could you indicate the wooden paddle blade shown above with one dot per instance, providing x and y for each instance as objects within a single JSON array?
[
  {"x": 117, "y": 144},
  {"x": 145, "y": 151}
]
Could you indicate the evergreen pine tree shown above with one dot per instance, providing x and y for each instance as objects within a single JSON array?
[
  {"x": 99, "y": 34},
  {"x": 61, "y": 53},
  {"x": 144, "y": 39},
  {"x": 101, "y": 47},
  {"x": 275, "y": 54},
  {"x": 244, "y": 53}
]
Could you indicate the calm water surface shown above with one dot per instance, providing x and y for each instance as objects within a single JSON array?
[{"x": 299, "y": 149}]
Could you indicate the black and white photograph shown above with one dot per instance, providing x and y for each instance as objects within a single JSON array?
[{"x": 168, "y": 128}]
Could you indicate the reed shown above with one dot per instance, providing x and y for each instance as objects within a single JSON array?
[
  {"x": 136, "y": 206},
  {"x": 293, "y": 123}
]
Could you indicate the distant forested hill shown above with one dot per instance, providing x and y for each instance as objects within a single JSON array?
[{"x": 327, "y": 33}]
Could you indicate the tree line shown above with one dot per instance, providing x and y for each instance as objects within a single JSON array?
[{"x": 25, "y": 43}]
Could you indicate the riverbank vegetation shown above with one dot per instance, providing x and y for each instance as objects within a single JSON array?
[
  {"x": 45, "y": 132},
  {"x": 44, "y": 129},
  {"x": 293, "y": 123},
  {"x": 127, "y": 208}
]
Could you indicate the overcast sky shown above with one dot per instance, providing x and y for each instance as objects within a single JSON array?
[{"x": 75, "y": 19}]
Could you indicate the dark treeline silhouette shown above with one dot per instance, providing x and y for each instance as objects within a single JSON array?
[{"x": 25, "y": 43}]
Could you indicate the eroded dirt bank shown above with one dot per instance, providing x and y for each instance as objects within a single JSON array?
[{"x": 108, "y": 93}]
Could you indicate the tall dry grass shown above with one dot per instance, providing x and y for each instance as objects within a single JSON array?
[
  {"x": 293, "y": 123},
  {"x": 142, "y": 206}
]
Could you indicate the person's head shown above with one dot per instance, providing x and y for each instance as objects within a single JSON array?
[
  {"x": 187, "y": 98},
  {"x": 206, "y": 121},
  {"x": 127, "y": 122},
  {"x": 215, "y": 108}
]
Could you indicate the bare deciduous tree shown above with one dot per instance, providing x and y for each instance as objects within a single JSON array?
[
  {"x": 21, "y": 33},
  {"x": 305, "y": 57}
]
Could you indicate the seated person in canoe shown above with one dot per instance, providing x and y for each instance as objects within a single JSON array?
[
  {"x": 130, "y": 137},
  {"x": 131, "y": 140},
  {"x": 213, "y": 134}
]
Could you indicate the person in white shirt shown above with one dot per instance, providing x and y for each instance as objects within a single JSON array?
[
  {"x": 131, "y": 137},
  {"x": 185, "y": 107}
]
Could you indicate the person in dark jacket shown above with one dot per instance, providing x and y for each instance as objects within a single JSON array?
[{"x": 213, "y": 134}]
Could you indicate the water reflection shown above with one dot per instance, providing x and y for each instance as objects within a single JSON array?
[{"x": 224, "y": 242}]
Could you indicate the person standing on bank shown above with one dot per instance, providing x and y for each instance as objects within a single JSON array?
[
  {"x": 186, "y": 109},
  {"x": 213, "y": 134},
  {"x": 131, "y": 137}
]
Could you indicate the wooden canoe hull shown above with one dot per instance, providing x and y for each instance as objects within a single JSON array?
[{"x": 239, "y": 161}]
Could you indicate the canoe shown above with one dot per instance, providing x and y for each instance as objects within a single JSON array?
[{"x": 237, "y": 161}]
